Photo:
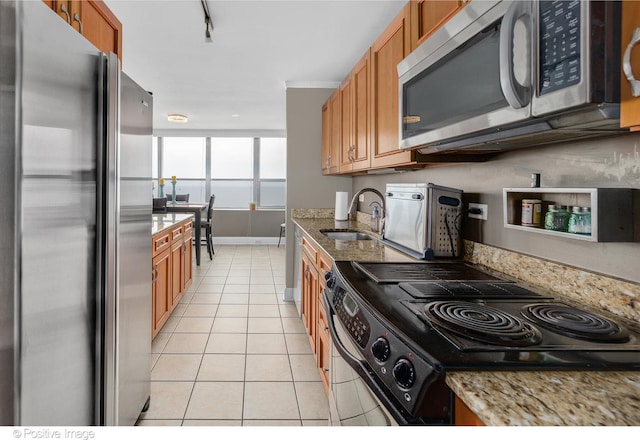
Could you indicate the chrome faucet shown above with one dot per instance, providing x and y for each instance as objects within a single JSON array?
[{"x": 354, "y": 204}]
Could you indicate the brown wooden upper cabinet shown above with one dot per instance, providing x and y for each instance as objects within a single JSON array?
[
  {"x": 331, "y": 134},
  {"x": 355, "y": 118},
  {"x": 391, "y": 47},
  {"x": 428, "y": 15},
  {"x": 630, "y": 101},
  {"x": 94, "y": 20}
]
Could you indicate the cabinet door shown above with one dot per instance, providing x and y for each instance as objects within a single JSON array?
[
  {"x": 309, "y": 295},
  {"x": 160, "y": 291},
  {"x": 463, "y": 416},
  {"x": 187, "y": 262},
  {"x": 334, "y": 143},
  {"x": 387, "y": 51},
  {"x": 99, "y": 25},
  {"x": 346, "y": 140},
  {"x": 428, "y": 15},
  {"x": 326, "y": 138},
  {"x": 630, "y": 105},
  {"x": 177, "y": 272},
  {"x": 323, "y": 355},
  {"x": 360, "y": 113}
]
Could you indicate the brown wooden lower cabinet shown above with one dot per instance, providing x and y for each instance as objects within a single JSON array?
[
  {"x": 172, "y": 271},
  {"x": 315, "y": 263},
  {"x": 464, "y": 416}
]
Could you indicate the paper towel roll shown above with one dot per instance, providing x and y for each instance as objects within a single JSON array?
[{"x": 342, "y": 205}]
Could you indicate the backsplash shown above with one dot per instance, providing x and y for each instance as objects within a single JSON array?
[{"x": 619, "y": 297}]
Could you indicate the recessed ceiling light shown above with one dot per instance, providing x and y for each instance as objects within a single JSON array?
[
  {"x": 235, "y": 115},
  {"x": 178, "y": 118}
]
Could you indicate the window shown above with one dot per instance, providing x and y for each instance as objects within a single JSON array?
[{"x": 238, "y": 170}]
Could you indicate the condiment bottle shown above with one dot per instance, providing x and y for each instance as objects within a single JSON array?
[
  {"x": 580, "y": 220},
  {"x": 557, "y": 218}
]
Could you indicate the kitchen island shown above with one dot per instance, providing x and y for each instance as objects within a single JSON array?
[
  {"x": 172, "y": 267},
  {"x": 520, "y": 398}
]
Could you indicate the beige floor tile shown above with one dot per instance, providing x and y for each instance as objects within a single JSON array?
[
  {"x": 265, "y": 325},
  {"x": 262, "y": 288},
  {"x": 238, "y": 280},
  {"x": 175, "y": 422},
  {"x": 263, "y": 298},
  {"x": 212, "y": 423},
  {"x": 271, "y": 423},
  {"x": 236, "y": 288},
  {"x": 229, "y": 325},
  {"x": 180, "y": 308},
  {"x": 154, "y": 359},
  {"x": 264, "y": 311},
  {"x": 234, "y": 298},
  {"x": 288, "y": 310},
  {"x": 293, "y": 325},
  {"x": 210, "y": 288},
  {"x": 171, "y": 324},
  {"x": 304, "y": 368},
  {"x": 232, "y": 311},
  {"x": 222, "y": 368},
  {"x": 266, "y": 343},
  {"x": 315, "y": 422},
  {"x": 159, "y": 342},
  {"x": 260, "y": 399},
  {"x": 297, "y": 343},
  {"x": 227, "y": 343},
  {"x": 262, "y": 280},
  {"x": 168, "y": 400},
  {"x": 201, "y": 310},
  {"x": 207, "y": 403},
  {"x": 194, "y": 325},
  {"x": 213, "y": 280},
  {"x": 187, "y": 343},
  {"x": 179, "y": 367},
  {"x": 310, "y": 402},
  {"x": 268, "y": 367},
  {"x": 204, "y": 298}
]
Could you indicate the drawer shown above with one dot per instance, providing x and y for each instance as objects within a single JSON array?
[
  {"x": 309, "y": 248},
  {"x": 188, "y": 226},
  {"x": 177, "y": 233},
  {"x": 160, "y": 242},
  {"x": 325, "y": 263}
]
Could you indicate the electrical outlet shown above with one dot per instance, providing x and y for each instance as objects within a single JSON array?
[
  {"x": 361, "y": 198},
  {"x": 482, "y": 215}
]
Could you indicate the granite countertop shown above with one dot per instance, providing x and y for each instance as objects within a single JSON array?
[
  {"x": 160, "y": 222},
  {"x": 519, "y": 398}
]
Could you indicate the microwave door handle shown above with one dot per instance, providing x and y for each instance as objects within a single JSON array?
[
  {"x": 626, "y": 64},
  {"x": 516, "y": 94}
]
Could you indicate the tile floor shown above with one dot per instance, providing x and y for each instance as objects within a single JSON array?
[{"x": 233, "y": 352}]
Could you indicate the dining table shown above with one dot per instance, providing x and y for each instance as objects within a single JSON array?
[{"x": 196, "y": 209}]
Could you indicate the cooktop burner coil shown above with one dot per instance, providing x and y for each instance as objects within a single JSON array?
[
  {"x": 574, "y": 322},
  {"x": 482, "y": 323}
]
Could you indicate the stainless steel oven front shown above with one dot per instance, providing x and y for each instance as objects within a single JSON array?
[{"x": 351, "y": 401}]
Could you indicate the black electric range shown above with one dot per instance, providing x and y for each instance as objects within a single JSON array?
[{"x": 413, "y": 322}]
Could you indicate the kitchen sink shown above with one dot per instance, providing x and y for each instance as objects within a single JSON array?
[{"x": 346, "y": 234}]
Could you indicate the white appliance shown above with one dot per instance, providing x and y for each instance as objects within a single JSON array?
[
  {"x": 75, "y": 228},
  {"x": 507, "y": 74}
]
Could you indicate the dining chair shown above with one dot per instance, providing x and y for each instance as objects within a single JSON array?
[
  {"x": 179, "y": 197},
  {"x": 207, "y": 225},
  {"x": 282, "y": 231},
  {"x": 159, "y": 205}
]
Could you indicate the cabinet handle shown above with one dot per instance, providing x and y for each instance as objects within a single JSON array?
[
  {"x": 77, "y": 18},
  {"x": 626, "y": 64},
  {"x": 154, "y": 274},
  {"x": 63, "y": 8},
  {"x": 326, "y": 370}
]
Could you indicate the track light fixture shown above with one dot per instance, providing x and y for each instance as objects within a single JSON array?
[{"x": 207, "y": 22}]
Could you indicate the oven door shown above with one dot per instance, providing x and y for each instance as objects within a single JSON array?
[{"x": 356, "y": 396}]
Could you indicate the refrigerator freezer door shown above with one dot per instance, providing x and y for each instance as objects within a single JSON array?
[{"x": 127, "y": 222}]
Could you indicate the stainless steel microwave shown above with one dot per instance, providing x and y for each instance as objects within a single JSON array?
[{"x": 510, "y": 74}]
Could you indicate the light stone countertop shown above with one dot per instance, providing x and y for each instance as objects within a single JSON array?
[
  {"x": 510, "y": 398},
  {"x": 160, "y": 222}
]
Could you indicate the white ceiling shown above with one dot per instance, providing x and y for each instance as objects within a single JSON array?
[{"x": 258, "y": 47}]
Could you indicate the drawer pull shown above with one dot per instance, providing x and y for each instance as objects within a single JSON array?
[
  {"x": 63, "y": 8},
  {"x": 77, "y": 18}
]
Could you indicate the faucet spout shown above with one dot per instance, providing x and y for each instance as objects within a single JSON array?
[{"x": 354, "y": 202}]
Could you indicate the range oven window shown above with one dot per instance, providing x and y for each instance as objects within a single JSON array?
[{"x": 462, "y": 85}]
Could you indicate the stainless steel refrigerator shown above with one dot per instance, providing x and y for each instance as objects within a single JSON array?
[{"x": 75, "y": 227}]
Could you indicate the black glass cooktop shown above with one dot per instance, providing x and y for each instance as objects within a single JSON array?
[
  {"x": 469, "y": 289},
  {"x": 406, "y": 272}
]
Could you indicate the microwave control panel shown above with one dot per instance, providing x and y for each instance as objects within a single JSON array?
[{"x": 559, "y": 44}]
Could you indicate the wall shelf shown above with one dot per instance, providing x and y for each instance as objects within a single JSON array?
[{"x": 611, "y": 211}]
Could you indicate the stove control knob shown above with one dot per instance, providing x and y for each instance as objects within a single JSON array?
[
  {"x": 380, "y": 349},
  {"x": 404, "y": 373},
  {"x": 330, "y": 280}
]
